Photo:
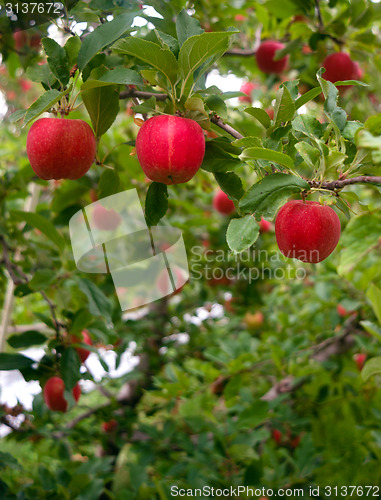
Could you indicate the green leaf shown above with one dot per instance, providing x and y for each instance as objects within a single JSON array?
[
  {"x": 17, "y": 115},
  {"x": 156, "y": 203},
  {"x": 26, "y": 339},
  {"x": 151, "y": 53},
  {"x": 231, "y": 184},
  {"x": 374, "y": 296},
  {"x": 42, "y": 279},
  {"x": 307, "y": 97},
  {"x": 309, "y": 154},
  {"x": 102, "y": 104},
  {"x": 57, "y": 60},
  {"x": 72, "y": 47},
  {"x": 216, "y": 104},
  {"x": 70, "y": 365},
  {"x": 118, "y": 76},
  {"x": 41, "y": 223},
  {"x": 147, "y": 106},
  {"x": 102, "y": 36},
  {"x": 109, "y": 183},
  {"x": 266, "y": 196},
  {"x": 371, "y": 368},
  {"x": 217, "y": 159},
  {"x": 198, "y": 49},
  {"x": 269, "y": 155},
  {"x": 284, "y": 108},
  {"x": 260, "y": 114},
  {"x": 187, "y": 26},
  {"x": 14, "y": 361},
  {"x": 372, "y": 328},
  {"x": 253, "y": 416},
  {"x": 43, "y": 103},
  {"x": 99, "y": 304},
  {"x": 361, "y": 234},
  {"x": 242, "y": 233},
  {"x": 168, "y": 42}
]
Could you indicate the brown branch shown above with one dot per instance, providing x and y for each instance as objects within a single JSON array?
[
  {"x": 131, "y": 93},
  {"x": 230, "y": 130},
  {"x": 240, "y": 52},
  {"x": 9, "y": 265},
  {"x": 341, "y": 183}
]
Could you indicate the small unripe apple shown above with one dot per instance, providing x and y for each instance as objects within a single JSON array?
[
  {"x": 109, "y": 426},
  {"x": 360, "y": 359},
  {"x": 254, "y": 320},
  {"x": 247, "y": 89},
  {"x": 104, "y": 219},
  {"x": 277, "y": 436},
  {"x": 54, "y": 394},
  {"x": 82, "y": 352},
  {"x": 339, "y": 66},
  {"x": 170, "y": 149},
  {"x": 222, "y": 203},
  {"x": 59, "y": 148},
  {"x": 307, "y": 230},
  {"x": 264, "y": 225},
  {"x": 265, "y": 57}
]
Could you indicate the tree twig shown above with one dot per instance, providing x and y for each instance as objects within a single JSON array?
[
  {"x": 341, "y": 183},
  {"x": 131, "y": 93},
  {"x": 230, "y": 130}
]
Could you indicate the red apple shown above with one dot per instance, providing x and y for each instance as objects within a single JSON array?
[
  {"x": 265, "y": 57},
  {"x": 341, "y": 311},
  {"x": 264, "y": 225},
  {"x": 247, "y": 89},
  {"x": 360, "y": 359},
  {"x": 295, "y": 441},
  {"x": 109, "y": 426},
  {"x": 59, "y": 148},
  {"x": 82, "y": 352},
  {"x": 170, "y": 149},
  {"x": 222, "y": 203},
  {"x": 240, "y": 18},
  {"x": 54, "y": 394},
  {"x": 165, "y": 285},
  {"x": 104, "y": 219},
  {"x": 339, "y": 66},
  {"x": 270, "y": 112},
  {"x": 307, "y": 230},
  {"x": 26, "y": 85},
  {"x": 34, "y": 41},
  {"x": 277, "y": 436},
  {"x": 20, "y": 38}
]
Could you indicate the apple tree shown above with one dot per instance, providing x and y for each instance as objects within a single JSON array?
[{"x": 262, "y": 371}]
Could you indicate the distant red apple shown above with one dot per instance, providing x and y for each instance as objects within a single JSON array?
[
  {"x": 270, "y": 112},
  {"x": 86, "y": 339},
  {"x": 360, "y": 359},
  {"x": 20, "y": 38},
  {"x": 222, "y": 203},
  {"x": 53, "y": 393},
  {"x": 26, "y": 85},
  {"x": 307, "y": 230},
  {"x": 341, "y": 311},
  {"x": 254, "y": 321},
  {"x": 170, "y": 149},
  {"x": 109, "y": 426},
  {"x": 165, "y": 285},
  {"x": 247, "y": 89},
  {"x": 277, "y": 436},
  {"x": 104, "y": 219},
  {"x": 240, "y": 18},
  {"x": 265, "y": 57},
  {"x": 59, "y": 148},
  {"x": 339, "y": 66},
  {"x": 35, "y": 41},
  {"x": 264, "y": 225},
  {"x": 295, "y": 441}
]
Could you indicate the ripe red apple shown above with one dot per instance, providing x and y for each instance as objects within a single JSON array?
[
  {"x": 341, "y": 311},
  {"x": 265, "y": 57},
  {"x": 82, "y": 352},
  {"x": 105, "y": 219},
  {"x": 247, "y": 89},
  {"x": 54, "y": 394},
  {"x": 165, "y": 285},
  {"x": 254, "y": 320},
  {"x": 25, "y": 85},
  {"x": 222, "y": 203},
  {"x": 295, "y": 441},
  {"x": 339, "y": 66},
  {"x": 59, "y": 148},
  {"x": 20, "y": 38},
  {"x": 240, "y": 18},
  {"x": 34, "y": 41},
  {"x": 277, "y": 436},
  {"x": 264, "y": 225},
  {"x": 170, "y": 149},
  {"x": 360, "y": 359},
  {"x": 307, "y": 230},
  {"x": 270, "y": 112},
  {"x": 109, "y": 426}
]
